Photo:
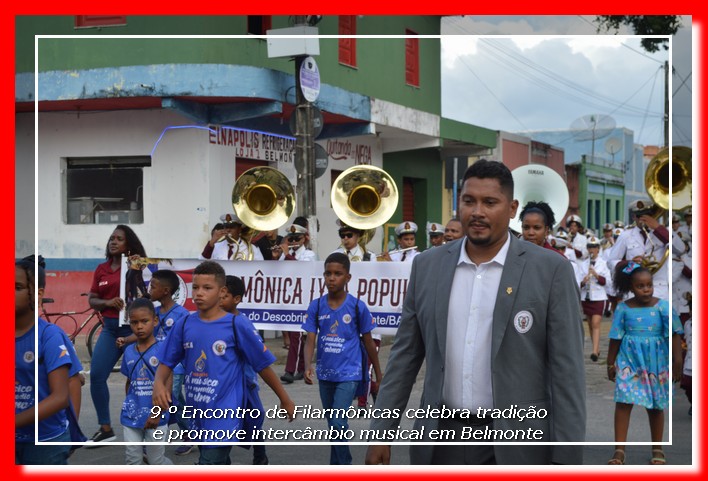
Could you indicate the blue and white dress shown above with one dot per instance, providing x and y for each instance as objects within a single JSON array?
[{"x": 642, "y": 363}]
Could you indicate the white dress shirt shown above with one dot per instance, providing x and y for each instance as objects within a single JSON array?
[
  {"x": 302, "y": 253},
  {"x": 468, "y": 346},
  {"x": 406, "y": 256},
  {"x": 356, "y": 254},
  {"x": 221, "y": 251}
]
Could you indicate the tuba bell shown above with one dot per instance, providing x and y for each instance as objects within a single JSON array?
[
  {"x": 364, "y": 197},
  {"x": 539, "y": 183},
  {"x": 663, "y": 192},
  {"x": 263, "y": 198}
]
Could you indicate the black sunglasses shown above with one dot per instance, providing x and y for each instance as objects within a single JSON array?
[
  {"x": 347, "y": 235},
  {"x": 294, "y": 238}
]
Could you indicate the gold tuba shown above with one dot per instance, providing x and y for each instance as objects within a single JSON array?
[
  {"x": 263, "y": 198},
  {"x": 656, "y": 182},
  {"x": 364, "y": 197}
]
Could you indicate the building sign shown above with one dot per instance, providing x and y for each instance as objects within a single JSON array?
[
  {"x": 357, "y": 152},
  {"x": 250, "y": 144}
]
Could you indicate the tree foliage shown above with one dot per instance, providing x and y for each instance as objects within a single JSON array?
[{"x": 643, "y": 25}]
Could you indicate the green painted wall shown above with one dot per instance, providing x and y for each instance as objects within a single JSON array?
[
  {"x": 380, "y": 70},
  {"x": 425, "y": 167},
  {"x": 585, "y": 193}
]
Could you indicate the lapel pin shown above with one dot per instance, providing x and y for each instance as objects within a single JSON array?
[{"x": 509, "y": 290}]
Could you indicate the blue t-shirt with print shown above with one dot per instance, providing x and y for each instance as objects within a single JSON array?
[
  {"x": 339, "y": 355},
  {"x": 167, "y": 320},
  {"x": 76, "y": 366},
  {"x": 215, "y": 362},
  {"x": 139, "y": 368},
  {"x": 52, "y": 353}
]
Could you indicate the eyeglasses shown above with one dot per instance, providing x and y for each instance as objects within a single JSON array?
[
  {"x": 294, "y": 238},
  {"x": 346, "y": 235}
]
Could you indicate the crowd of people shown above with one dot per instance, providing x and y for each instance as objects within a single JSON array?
[{"x": 492, "y": 313}]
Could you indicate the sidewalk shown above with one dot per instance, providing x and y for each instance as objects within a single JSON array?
[{"x": 600, "y": 408}]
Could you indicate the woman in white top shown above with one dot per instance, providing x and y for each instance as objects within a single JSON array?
[{"x": 594, "y": 274}]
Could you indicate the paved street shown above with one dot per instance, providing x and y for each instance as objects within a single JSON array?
[{"x": 599, "y": 426}]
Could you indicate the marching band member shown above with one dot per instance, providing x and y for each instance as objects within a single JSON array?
[
  {"x": 435, "y": 234},
  {"x": 350, "y": 244},
  {"x": 563, "y": 246},
  {"x": 226, "y": 243},
  {"x": 607, "y": 239},
  {"x": 644, "y": 242},
  {"x": 595, "y": 275},
  {"x": 294, "y": 245},
  {"x": 406, "y": 240},
  {"x": 576, "y": 238}
]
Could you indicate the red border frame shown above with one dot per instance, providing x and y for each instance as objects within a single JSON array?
[{"x": 324, "y": 8}]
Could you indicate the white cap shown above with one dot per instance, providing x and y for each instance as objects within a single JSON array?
[
  {"x": 573, "y": 218},
  {"x": 296, "y": 229},
  {"x": 406, "y": 228},
  {"x": 230, "y": 217},
  {"x": 617, "y": 231},
  {"x": 593, "y": 241},
  {"x": 434, "y": 228}
]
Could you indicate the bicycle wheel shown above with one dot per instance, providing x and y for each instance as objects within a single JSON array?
[
  {"x": 91, "y": 344},
  {"x": 67, "y": 324}
]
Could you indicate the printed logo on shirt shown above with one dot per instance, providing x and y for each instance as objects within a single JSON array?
[
  {"x": 333, "y": 327},
  {"x": 523, "y": 321},
  {"x": 347, "y": 318},
  {"x": 102, "y": 283},
  {"x": 219, "y": 347},
  {"x": 200, "y": 363},
  {"x": 169, "y": 322},
  {"x": 28, "y": 357},
  {"x": 153, "y": 361},
  {"x": 64, "y": 351}
]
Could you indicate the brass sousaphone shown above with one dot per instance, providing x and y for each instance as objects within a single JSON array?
[
  {"x": 364, "y": 197},
  {"x": 661, "y": 190},
  {"x": 263, "y": 199}
]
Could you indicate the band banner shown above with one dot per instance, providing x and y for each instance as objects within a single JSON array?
[{"x": 278, "y": 293}]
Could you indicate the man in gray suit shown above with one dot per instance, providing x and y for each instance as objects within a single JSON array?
[{"x": 497, "y": 321}]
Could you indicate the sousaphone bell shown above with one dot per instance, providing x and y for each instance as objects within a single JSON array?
[
  {"x": 539, "y": 183},
  {"x": 263, "y": 198},
  {"x": 364, "y": 197}
]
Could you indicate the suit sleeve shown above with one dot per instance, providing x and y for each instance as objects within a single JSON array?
[
  {"x": 567, "y": 369},
  {"x": 405, "y": 360}
]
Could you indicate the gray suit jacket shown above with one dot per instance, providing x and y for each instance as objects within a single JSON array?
[{"x": 542, "y": 367}]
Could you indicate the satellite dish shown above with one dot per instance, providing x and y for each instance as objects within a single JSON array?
[
  {"x": 592, "y": 127},
  {"x": 612, "y": 146}
]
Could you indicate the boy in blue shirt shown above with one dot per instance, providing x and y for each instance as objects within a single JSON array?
[
  {"x": 338, "y": 323},
  {"x": 139, "y": 365},
  {"x": 215, "y": 347},
  {"x": 54, "y": 361},
  {"x": 234, "y": 293}
]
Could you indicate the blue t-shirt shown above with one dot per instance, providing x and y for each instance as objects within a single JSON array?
[
  {"x": 166, "y": 321},
  {"x": 339, "y": 355},
  {"x": 140, "y": 369},
  {"x": 76, "y": 366},
  {"x": 52, "y": 353},
  {"x": 214, "y": 364}
]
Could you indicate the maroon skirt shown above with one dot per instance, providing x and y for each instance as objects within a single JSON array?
[{"x": 593, "y": 308}]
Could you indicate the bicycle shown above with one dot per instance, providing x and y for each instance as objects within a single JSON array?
[{"x": 69, "y": 324}]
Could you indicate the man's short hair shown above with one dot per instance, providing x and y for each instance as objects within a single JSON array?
[
  {"x": 235, "y": 286},
  {"x": 491, "y": 169},
  {"x": 211, "y": 268},
  {"x": 339, "y": 258},
  {"x": 168, "y": 278}
]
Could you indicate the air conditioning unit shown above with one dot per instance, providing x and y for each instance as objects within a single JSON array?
[{"x": 119, "y": 216}]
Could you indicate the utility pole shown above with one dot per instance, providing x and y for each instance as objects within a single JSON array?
[{"x": 305, "y": 149}]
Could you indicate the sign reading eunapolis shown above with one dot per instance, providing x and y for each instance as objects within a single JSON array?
[{"x": 254, "y": 145}]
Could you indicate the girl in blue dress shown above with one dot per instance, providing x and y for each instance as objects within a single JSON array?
[{"x": 638, "y": 357}]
